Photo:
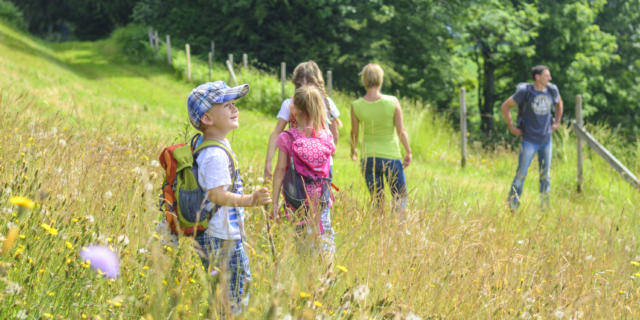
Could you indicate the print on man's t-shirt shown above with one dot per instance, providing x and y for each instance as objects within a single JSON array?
[{"x": 541, "y": 104}]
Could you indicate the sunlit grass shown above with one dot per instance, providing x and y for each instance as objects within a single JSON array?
[{"x": 79, "y": 138}]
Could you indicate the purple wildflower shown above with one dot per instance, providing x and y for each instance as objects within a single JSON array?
[{"x": 102, "y": 259}]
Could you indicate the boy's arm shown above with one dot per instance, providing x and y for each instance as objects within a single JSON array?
[{"x": 225, "y": 198}]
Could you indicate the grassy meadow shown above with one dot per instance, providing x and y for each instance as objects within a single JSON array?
[{"x": 81, "y": 130}]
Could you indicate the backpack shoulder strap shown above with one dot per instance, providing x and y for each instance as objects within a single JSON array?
[{"x": 233, "y": 162}]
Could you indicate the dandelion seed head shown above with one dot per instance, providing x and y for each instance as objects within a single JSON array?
[
  {"x": 360, "y": 292},
  {"x": 412, "y": 316},
  {"x": 108, "y": 194}
]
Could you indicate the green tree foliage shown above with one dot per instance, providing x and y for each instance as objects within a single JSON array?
[
  {"x": 66, "y": 19},
  {"x": 573, "y": 45},
  {"x": 501, "y": 33},
  {"x": 621, "y": 87},
  {"x": 10, "y": 13}
]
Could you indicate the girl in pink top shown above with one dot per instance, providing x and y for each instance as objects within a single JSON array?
[{"x": 310, "y": 146}]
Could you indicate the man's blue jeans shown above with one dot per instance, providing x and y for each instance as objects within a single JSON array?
[{"x": 527, "y": 152}]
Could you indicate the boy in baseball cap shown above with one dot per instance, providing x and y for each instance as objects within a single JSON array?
[{"x": 212, "y": 110}]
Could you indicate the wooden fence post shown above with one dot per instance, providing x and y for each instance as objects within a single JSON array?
[
  {"x": 188, "y": 49},
  {"x": 169, "y": 49},
  {"x": 232, "y": 74},
  {"x": 231, "y": 58},
  {"x": 463, "y": 127},
  {"x": 283, "y": 76},
  {"x": 155, "y": 35},
  {"x": 245, "y": 61},
  {"x": 329, "y": 82},
  {"x": 213, "y": 48},
  {"x": 579, "y": 142},
  {"x": 210, "y": 66},
  {"x": 151, "y": 37}
]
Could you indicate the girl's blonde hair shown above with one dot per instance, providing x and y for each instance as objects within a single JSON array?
[
  {"x": 308, "y": 73},
  {"x": 309, "y": 100},
  {"x": 371, "y": 75}
]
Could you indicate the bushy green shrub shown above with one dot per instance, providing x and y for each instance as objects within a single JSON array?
[
  {"x": 133, "y": 42},
  {"x": 11, "y": 14}
]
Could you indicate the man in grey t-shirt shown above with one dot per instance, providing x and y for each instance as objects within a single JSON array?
[{"x": 535, "y": 125}]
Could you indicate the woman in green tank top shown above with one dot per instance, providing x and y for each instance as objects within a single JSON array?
[{"x": 380, "y": 117}]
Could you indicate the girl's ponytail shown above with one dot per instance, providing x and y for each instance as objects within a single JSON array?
[{"x": 310, "y": 100}]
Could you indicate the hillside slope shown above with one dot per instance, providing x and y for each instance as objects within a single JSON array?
[{"x": 80, "y": 131}]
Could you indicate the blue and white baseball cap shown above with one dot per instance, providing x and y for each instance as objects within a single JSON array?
[{"x": 206, "y": 95}]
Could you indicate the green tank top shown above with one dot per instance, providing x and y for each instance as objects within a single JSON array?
[{"x": 378, "y": 128}]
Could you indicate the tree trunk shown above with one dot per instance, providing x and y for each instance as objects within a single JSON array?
[{"x": 488, "y": 92}]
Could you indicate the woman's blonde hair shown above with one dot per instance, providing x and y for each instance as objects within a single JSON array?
[
  {"x": 371, "y": 75},
  {"x": 309, "y": 100},
  {"x": 308, "y": 73}
]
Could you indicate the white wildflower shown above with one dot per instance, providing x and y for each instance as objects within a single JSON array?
[
  {"x": 589, "y": 258},
  {"x": 21, "y": 315},
  {"x": 521, "y": 242},
  {"x": 260, "y": 180},
  {"x": 148, "y": 187},
  {"x": 577, "y": 315},
  {"x": 525, "y": 315},
  {"x": 412, "y": 316},
  {"x": 62, "y": 143},
  {"x": 123, "y": 239},
  {"x": 360, "y": 292},
  {"x": 8, "y": 210},
  {"x": 12, "y": 287},
  {"x": 155, "y": 163},
  {"x": 137, "y": 170},
  {"x": 108, "y": 194},
  {"x": 388, "y": 285},
  {"x": 60, "y": 196},
  {"x": 90, "y": 218},
  {"x": 558, "y": 314},
  {"x": 142, "y": 251}
]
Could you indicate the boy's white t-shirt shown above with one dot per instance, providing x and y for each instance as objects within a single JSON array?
[
  {"x": 213, "y": 172},
  {"x": 285, "y": 110}
]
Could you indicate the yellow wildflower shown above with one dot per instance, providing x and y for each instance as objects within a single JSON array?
[
  {"x": 635, "y": 263},
  {"x": 342, "y": 268},
  {"x": 51, "y": 230},
  {"x": 69, "y": 245},
  {"x": 317, "y": 304},
  {"x": 304, "y": 295},
  {"x": 22, "y": 202}
]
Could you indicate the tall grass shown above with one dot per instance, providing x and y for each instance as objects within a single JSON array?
[{"x": 80, "y": 135}]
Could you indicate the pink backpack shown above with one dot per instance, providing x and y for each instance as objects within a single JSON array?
[{"x": 308, "y": 175}]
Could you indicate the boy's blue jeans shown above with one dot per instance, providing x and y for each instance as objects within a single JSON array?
[
  {"x": 378, "y": 169},
  {"x": 527, "y": 152}
]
